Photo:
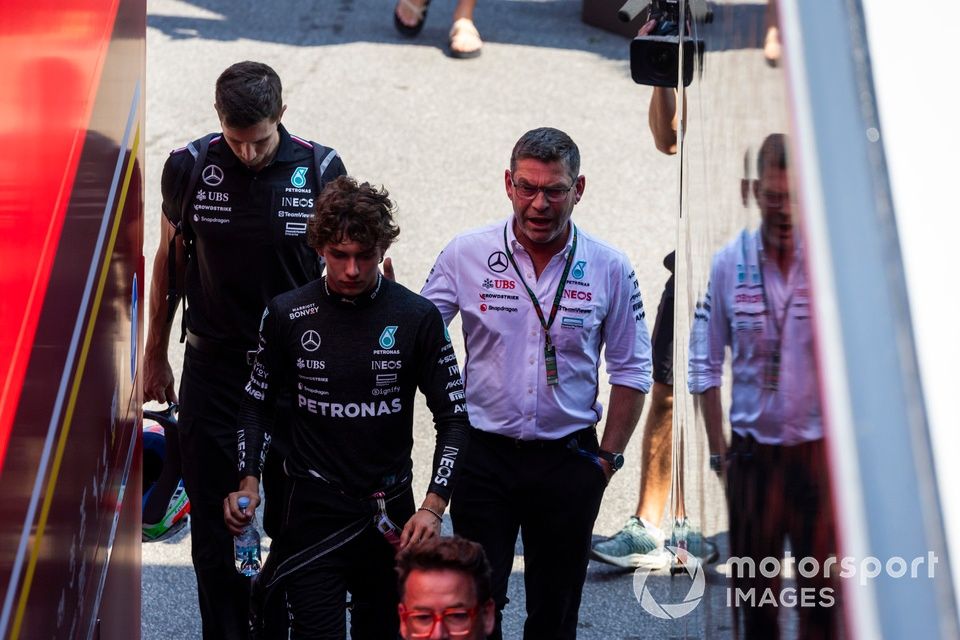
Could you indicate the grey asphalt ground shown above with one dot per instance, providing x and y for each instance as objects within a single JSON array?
[{"x": 438, "y": 133}]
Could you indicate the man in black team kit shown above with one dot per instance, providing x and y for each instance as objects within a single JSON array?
[
  {"x": 352, "y": 347},
  {"x": 235, "y": 209}
]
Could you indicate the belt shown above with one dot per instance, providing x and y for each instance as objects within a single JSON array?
[
  {"x": 212, "y": 348},
  {"x": 497, "y": 440}
]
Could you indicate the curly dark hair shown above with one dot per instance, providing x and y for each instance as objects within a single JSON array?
[
  {"x": 248, "y": 93},
  {"x": 350, "y": 211},
  {"x": 455, "y": 554}
]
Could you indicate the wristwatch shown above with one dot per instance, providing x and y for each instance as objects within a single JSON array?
[
  {"x": 615, "y": 459},
  {"x": 716, "y": 462}
]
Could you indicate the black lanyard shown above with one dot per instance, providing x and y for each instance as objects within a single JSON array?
[
  {"x": 771, "y": 347},
  {"x": 549, "y": 351},
  {"x": 778, "y": 322}
]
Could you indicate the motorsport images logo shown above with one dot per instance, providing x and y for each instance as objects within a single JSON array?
[{"x": 671, "y": 611}]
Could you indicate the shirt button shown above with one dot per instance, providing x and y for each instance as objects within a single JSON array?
[
  {"x": 530, "y": 390},
  {"x": 531, "y": 360}
]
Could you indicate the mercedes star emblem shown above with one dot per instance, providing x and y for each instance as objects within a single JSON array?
[
  {"x": 497, "y": 262},
  {"x": 212, "y": 175},
  {"x": 310, "y": 340}
]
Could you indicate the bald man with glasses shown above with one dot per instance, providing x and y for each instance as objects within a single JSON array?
[{"x": 539, "y": 299}]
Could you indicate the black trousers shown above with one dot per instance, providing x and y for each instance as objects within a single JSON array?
[
  {"x": 775, "y": 492},
  {"x": 211, "y": 389},
  {"x": 548, "y": 493},
  {"x": 320, "y": 564}
]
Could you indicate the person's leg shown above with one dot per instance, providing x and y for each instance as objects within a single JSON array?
[
  {"x": 409, "y": 15},
  {"x": 754, "y": 495},
  {"x": 207, "y": 425},
  {"x": 656, "y": 454},
  {"x": 483, "y": 510},
  {"x": 656, "y": 447},
  {"x": 771, "y": 41},
  {"x": 562, "y": 494},
  {"x": 812, "y": 535},
  {"x": 464, "y": 9},
  {"x": 639, "y": 542},
  {"x": 372, "y": 579},
  {"x": 317, "y": 598},
  {"x": 465, "y": 40}
]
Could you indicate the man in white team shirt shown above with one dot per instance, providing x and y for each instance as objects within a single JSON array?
[
  {"x": 758, "y": 304},
  {"x": 539, "y": 298}
]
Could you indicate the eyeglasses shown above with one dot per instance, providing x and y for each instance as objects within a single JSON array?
[
  {"x": 775, "y": 199},
  {"x": 420, "y": 624},
  {"x": 553, "y": 194}
]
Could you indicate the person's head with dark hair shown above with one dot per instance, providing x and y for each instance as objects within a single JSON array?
[
  {"x": 543, "y": 184},
  {"x": 352, "y": 227},
  {"x": 445, "y": 590},
  {"x": 249, "y": 102},
  {"x": 772, "y": 191},
  {"x": 772, "y": 153},
  {"x": 248, "y": 92}
]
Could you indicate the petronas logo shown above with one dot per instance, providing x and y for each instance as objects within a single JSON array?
[
  {"x": 386, "y": 338},
  {"x": 299, "y": 177}
]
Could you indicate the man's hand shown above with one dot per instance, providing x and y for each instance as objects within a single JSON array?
[
  {"x": 421, "y": 526},
  {"x": 607, "y": 469},
  {"x": 388, "y": 270},
  {"x": 158, "y": 380},
  {"x": 235, "y": 519},
  {"x": 424, "y": 524}
]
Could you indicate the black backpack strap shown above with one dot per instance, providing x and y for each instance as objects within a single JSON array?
[
  {"x": 323, "y": 158},
  {"x": 327, "y": 166},
  {"x": 198, "y": 149}
]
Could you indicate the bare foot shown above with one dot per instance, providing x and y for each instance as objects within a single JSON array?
[
  {"x": 465, "y": 40},
  {"x": 771, "y": 46},
  {"x": 410, "y": 11}
]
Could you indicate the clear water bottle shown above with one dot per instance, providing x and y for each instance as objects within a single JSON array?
[{"x": 246, "y": 546}]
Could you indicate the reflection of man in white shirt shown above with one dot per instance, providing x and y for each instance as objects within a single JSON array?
[
  {"x": 758, "y": 304},
  {"x": 539, "y": 298}
]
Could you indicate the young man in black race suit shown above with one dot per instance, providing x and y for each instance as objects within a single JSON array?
[{"x": 352, "y": 348}]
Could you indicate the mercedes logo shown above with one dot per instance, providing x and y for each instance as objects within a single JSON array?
[
  {"x": 310, "y": 340},
  {"x": 212, "y": 175},
  {"x": 497, "y": 262}
]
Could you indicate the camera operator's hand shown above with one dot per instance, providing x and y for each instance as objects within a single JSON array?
[{"x": 647, "y": 27}]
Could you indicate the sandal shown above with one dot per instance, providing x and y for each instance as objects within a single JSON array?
[
  {"x": 465, "y": 40},
  {"x": 421, "y": 12}
]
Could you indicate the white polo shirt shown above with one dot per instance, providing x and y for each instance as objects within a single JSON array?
[
  {"x": 735, "y": 314},
  {"x": 504, "y": 371}
]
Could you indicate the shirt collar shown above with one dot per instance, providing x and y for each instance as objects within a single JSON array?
[
  {"x": 284, "y": 150},
  {"x": 365, "y": 299},
  {"x": 515, "y": 244}
]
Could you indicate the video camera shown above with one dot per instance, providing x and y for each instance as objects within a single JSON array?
[{"x": 655, "y": 58}]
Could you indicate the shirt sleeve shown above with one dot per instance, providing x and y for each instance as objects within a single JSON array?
[
  {"x": 628, "y": 352},
  {"x": 440, "y": 381},
  {"x": 172, "y": 183},
  {"x": 334, "y": 170},
  {"x": 710, "y": 333},
  {"x": 440, "y": 287},
  {"x": 257, "y": 410}
]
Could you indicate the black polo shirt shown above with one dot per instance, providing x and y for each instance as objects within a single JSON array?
[{"x": 250, "y": 234}]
